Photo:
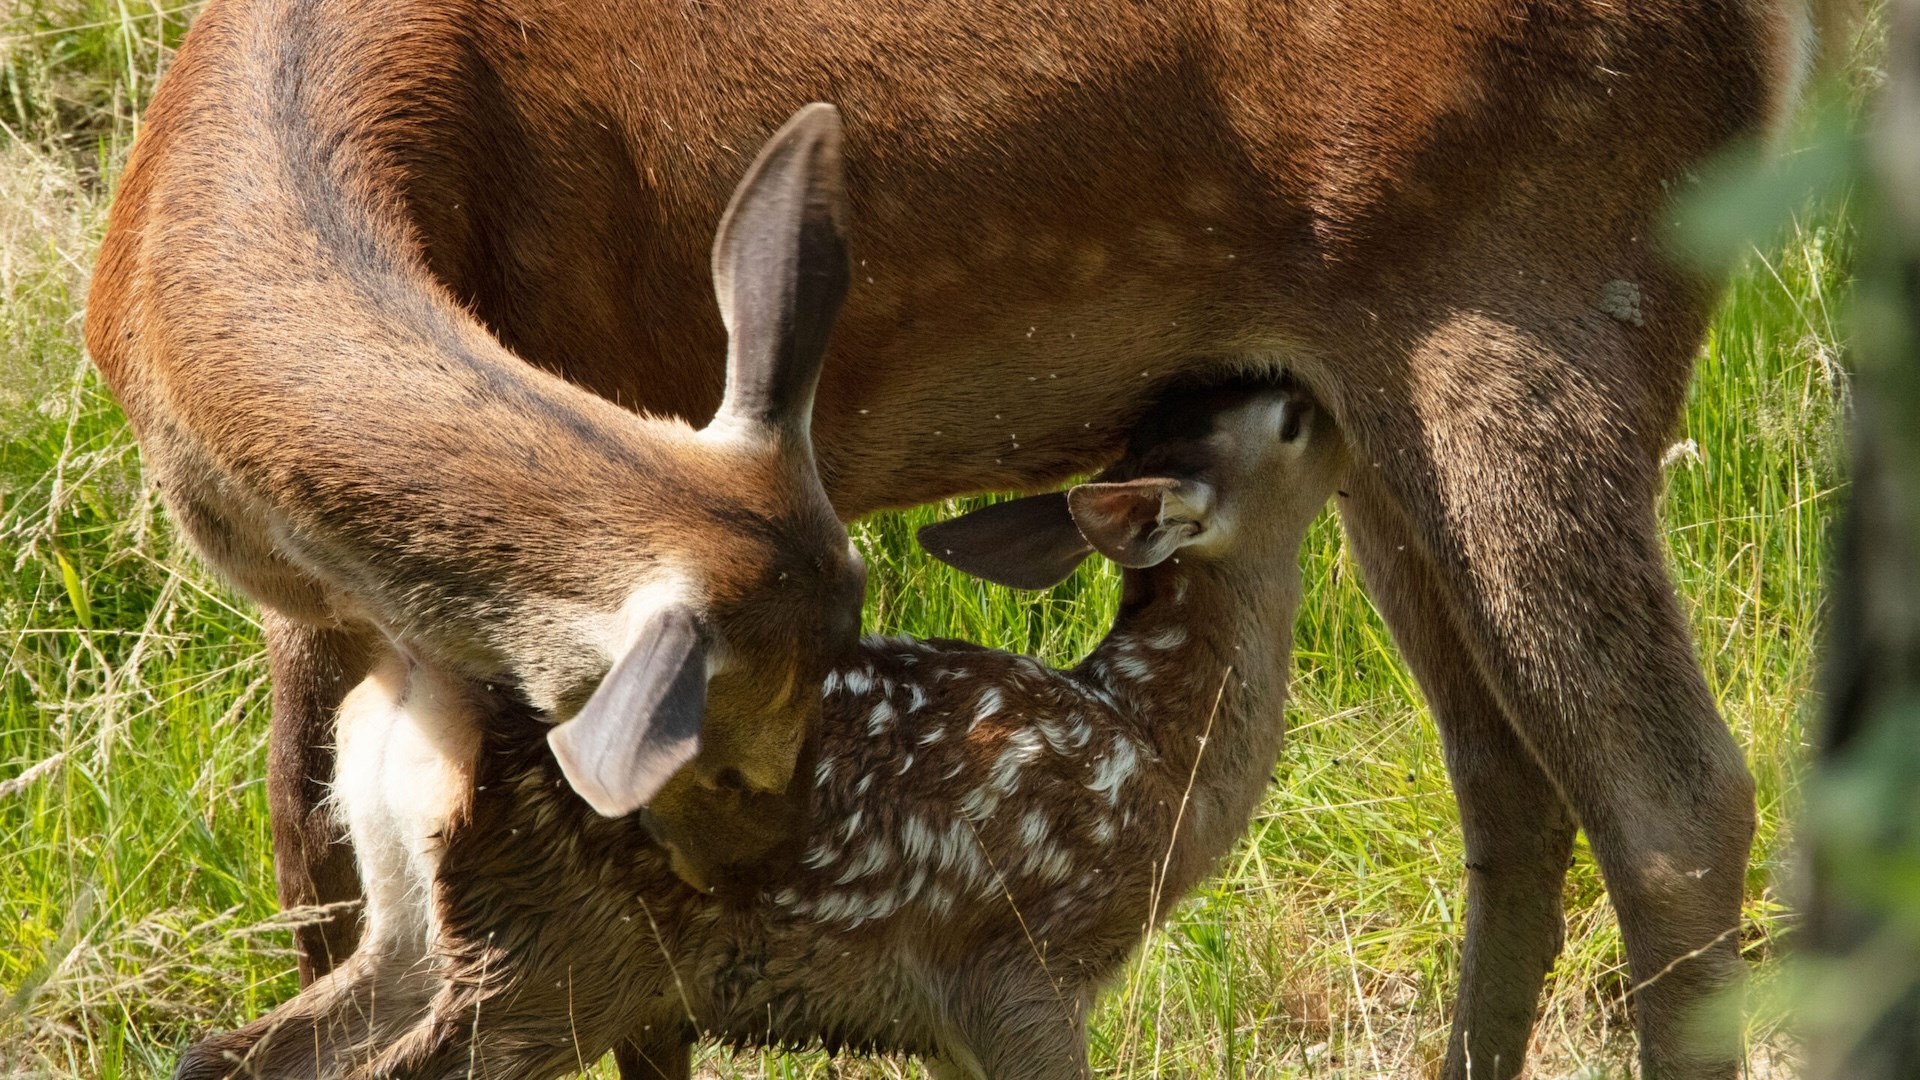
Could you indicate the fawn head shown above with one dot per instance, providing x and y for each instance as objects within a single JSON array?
[
  {"x": 1210, "y": 472},
  {"x": 718, "y": 661}
]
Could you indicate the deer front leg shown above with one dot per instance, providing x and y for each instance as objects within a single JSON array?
[
  {"x": 404, "y": 763},
  {"x": 312, "y": 668}
]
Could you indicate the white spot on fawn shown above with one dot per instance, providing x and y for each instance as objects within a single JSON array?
[
  {"x": 980, "y": 803},
  {"x": 1022, "y": 747},
  {"x": 917, "y": 883},
  {"x": 881, "y": 716},
  {"x": 850, "y": 828},
  {"x": 1062, "y": 740},
  {"x": 989, "y": 704},
  {"x": 878, "y": 908},
  {"x": 835, "y": 907},
  {"x": 1082, "y": 734},
  {"x": 918, "y": 842},
  {"x": 1169, "y": 637},
  {"x": 1050, "y": 865},
  {"x": 1034, "y": 828},
  {"x": 869, "y": 861},
  {"x": 960, "y": 853},
  {"x": 1114, "y": 769}
]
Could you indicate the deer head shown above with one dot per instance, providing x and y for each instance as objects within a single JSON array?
[{"x": 723, "y": 651}]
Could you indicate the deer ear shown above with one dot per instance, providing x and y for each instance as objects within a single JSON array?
[
  {"x": 643, "y": 723},
  {"x": 1029, "y": 543},
  {"x": 1140, "y": 523},
  {"x": 780, "y": 272}
]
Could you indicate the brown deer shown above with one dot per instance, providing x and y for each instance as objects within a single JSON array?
[
  {"x": 645, "y": 573},
  {"x": 1444, "y": 217},
  {"x": 990, "y": 839}
]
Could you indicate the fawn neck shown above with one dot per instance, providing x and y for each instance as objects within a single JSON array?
[{"x": 1198, "y": 658}]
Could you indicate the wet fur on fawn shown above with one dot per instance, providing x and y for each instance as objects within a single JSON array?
[{"x": 991, "y": 837}]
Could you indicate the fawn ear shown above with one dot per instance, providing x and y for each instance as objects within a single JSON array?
[
  {"x": 1140, "y": 523},
  {"x": 780, "y": 272},
  {"x": 1029, "y": 543},
  {"x": 643, "y": 722}
]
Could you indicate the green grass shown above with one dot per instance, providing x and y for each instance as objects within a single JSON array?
[{"x": 136, "y": 908}]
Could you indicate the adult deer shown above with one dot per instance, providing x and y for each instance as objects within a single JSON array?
[{"x": 1443, "y": 217}]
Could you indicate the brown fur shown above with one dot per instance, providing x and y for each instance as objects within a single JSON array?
[
  {"x": 1444, "y": 216},
  {"x": 991, "y": 839},
  {"x": 313, "y": 668},
  {"x": 337, "y": 413}
]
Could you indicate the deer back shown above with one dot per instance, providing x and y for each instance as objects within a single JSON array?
[{"x": 1071, "y": 204}]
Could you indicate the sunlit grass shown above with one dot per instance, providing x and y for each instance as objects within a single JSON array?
[{"x": 136, "y": 905}]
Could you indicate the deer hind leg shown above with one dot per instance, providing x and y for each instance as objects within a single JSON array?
[
  {"x": 1519, "y": 831},
  {"x": 313, "y": 669},
  {"x": 1525, "y": 463}
]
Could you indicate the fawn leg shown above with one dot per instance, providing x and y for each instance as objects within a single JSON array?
[
  {"x": 313, "y": 863},
  {"x": 516, "y": 1006},
  {"x": 1519, "y": 832},
  {"x": 1023, "y": 1028},
  {"x": 659, "y": 1055},
  {"x": 1529, "y": 488},
  {"x": 521, "y": 1043},
  {"x": 343, "y": 1018}
]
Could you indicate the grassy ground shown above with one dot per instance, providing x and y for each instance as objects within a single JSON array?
[{"x": 135, "y": 899}]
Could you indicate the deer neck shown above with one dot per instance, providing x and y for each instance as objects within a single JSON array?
[{"x": 1198, "y": 662}]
